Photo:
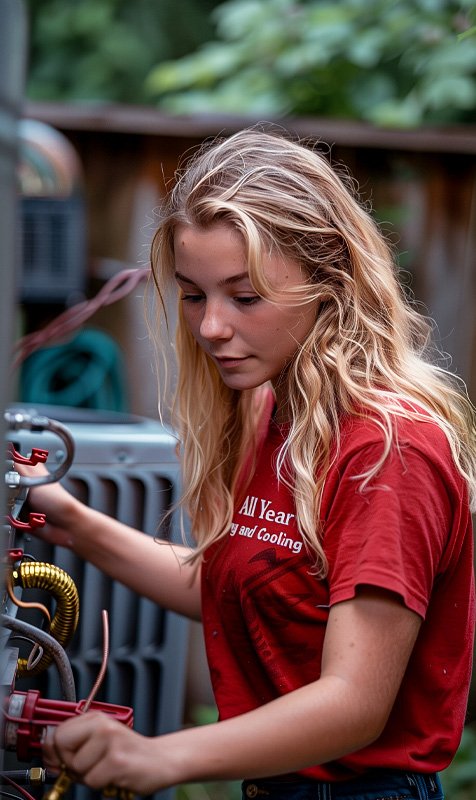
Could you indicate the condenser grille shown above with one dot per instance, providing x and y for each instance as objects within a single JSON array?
[{"x": 138, "y": 628}]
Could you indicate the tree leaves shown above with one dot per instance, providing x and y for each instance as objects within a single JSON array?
[
  {"x": 103, "y": 51},
  {"x": 401, "y": 63}
]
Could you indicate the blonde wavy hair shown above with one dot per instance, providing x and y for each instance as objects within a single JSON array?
[{"x": 366, "y": 354}]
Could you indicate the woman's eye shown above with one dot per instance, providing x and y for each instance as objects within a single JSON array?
[
  {"x": 247, "y": 300},
  {"x": 192, "y": 298}
]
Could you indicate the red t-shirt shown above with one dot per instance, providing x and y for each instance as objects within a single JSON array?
[{"x": 265, "y": 615}]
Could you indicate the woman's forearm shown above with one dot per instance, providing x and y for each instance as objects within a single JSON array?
[
  {"x": 310, "y": 726},
  {"x": 153, "y": 569}
]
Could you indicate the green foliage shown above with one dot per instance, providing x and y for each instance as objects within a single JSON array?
[
  {"x": 390, "y": 62},
  {"x": 459, "y": 780},
  {"x": 214, "y": 790},
  {"x": 90, "y": 50}
]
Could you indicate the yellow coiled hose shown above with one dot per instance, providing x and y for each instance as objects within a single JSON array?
[{"x": 39, "y": 575}]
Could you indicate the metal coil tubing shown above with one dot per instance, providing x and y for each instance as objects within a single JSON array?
[{"x": 53, "y": 579}]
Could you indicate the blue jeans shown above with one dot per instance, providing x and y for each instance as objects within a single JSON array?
[{"x": 377, "y": 785}]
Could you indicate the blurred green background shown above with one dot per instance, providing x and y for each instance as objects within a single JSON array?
[{"x": 390, "y": 62}]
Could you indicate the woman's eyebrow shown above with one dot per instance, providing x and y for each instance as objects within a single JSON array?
[
  {"x": 223, "y": 282},
  {"x": 233, "y": 279},
  {"x": 183, "y": 278}
]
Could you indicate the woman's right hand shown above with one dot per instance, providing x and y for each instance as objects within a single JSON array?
[{"x": 58, "y": 505}]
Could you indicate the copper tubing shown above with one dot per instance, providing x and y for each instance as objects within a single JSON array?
[
  {"x": 105, "y": 655},
  {"x": 39, "y": 575},
  {"x": 21, "y": 603}
]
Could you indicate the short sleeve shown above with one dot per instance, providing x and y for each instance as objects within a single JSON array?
[{"x": 390, "y": 534}]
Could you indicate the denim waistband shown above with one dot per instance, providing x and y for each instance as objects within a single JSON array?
[{"x": 373, "y": 785}]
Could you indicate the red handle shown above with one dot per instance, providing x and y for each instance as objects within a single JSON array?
[
  {"x": 28, "y": 714},
  {"x": 37, "y": 456},
  {"x": 35, "y": 520}
]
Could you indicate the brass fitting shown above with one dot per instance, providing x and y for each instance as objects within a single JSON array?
[{"x": 60, "y": 786}]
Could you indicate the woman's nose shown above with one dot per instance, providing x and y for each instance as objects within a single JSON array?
[{"x": 215, "y": 324}]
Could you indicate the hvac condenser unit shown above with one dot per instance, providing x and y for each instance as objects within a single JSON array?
[{"x": 126, "y": 467}]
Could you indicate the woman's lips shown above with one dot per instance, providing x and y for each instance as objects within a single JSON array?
[{"x": 228, "y": 362}]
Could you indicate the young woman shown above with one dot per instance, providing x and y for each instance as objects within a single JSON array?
[{"x": 328, "y": 471}]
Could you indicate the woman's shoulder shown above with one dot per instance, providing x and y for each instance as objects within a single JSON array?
[
  {"x": 405, "y": 444},
  {"x": 401, "y": 424}
]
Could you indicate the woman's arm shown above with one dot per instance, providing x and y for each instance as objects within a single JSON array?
[
  {"x": 368, "y": 643},
  {"x": 150, "y": 568}
]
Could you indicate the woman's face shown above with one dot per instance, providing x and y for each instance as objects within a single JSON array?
[{"x": 250, "y": 339}]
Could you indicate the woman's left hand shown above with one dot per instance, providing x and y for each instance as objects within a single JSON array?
[{"x": 101, "y": 752}]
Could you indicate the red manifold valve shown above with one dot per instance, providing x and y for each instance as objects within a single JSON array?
[{"x": 27, "y": 715}]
